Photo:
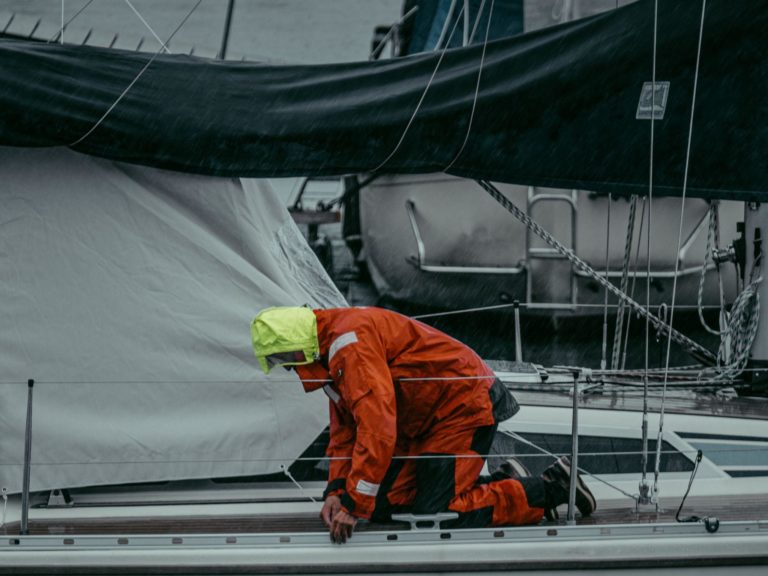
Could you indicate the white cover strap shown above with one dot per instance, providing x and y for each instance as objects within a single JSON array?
[{"x": 331, "y": 393}]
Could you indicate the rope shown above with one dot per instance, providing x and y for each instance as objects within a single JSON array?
[
  {"x": 421, "y": 100},
  {"x": 692, "y": 347},
  {"x": 742, "y": 329},
  {"x": 624, "y": 281},
  {"x": 477, "y": 88},
  {"x": 604, "y": 357},
  {"x": 713, "y": 225},
  {"x": 139, "y": 75},
  {"x": 634, "y": 285},
  {"x": 660, "y": 435}
]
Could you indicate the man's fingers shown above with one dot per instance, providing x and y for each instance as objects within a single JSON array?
[{"x": 327, "y": 515}]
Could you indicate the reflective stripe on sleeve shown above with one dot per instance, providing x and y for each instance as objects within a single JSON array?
[
  {"x": 343, "y": 340},
  {"x": 367, "y": 488},
  {"x": 332, "y": 394}
]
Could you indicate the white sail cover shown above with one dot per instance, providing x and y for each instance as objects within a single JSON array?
[{"x": 126, "y": 293}]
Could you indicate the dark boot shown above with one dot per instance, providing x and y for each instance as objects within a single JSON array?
[
  {"x": 557, "y": 480},
  {"x": 535, "y": 488}
]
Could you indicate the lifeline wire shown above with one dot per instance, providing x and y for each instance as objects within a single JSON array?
[
  {"x": 660, "y": 435},
  {"x": 477, "y": 89},
  {"x": 544, "y": 454},
  {"x": 139, "y": 75},
  {"x": 421, "y": 100}
]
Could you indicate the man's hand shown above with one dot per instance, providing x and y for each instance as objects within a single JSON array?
[
  {"x": 331, "y": 507},
  {"x": 341, "y": 526}
]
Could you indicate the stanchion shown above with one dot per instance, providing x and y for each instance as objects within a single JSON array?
[
  {"x": 574, "y": 450},
  {"x": 27, "y": 462}
]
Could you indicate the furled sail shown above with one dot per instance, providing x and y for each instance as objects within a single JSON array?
[{"x": 568, "y": 106}]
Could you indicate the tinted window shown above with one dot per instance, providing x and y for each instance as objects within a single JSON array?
[{"x": 597, "y": 454}]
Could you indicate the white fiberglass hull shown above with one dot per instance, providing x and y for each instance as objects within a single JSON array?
[{"x": 477, "y": 254}]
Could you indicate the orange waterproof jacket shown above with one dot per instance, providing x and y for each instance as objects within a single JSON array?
[{"x": 395, "y": 382}]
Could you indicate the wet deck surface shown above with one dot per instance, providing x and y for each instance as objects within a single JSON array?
[{"x": 745, "y": 508}]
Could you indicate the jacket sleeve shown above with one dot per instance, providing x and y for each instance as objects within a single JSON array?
[
  {"x": 358, "y": 364},
  {"x": 342, "y": 442}
]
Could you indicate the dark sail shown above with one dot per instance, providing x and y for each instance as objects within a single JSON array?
[{"x": 557, "y": 107}]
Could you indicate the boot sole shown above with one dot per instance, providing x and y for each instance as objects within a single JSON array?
[{"x": 585, "y": 500}]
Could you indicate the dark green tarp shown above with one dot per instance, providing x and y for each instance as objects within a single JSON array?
[{"x": 555, "y": 107}]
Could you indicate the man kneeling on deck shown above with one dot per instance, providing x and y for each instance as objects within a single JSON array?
[{"x": 413, "y": 414}]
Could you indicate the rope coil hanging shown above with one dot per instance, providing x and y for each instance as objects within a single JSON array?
[{"x": 692, "y": 347}]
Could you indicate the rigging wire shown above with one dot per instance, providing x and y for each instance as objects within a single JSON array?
[
  {"x": 634, "y": 283},
  {"x": 477, "y": 89},
  {"x": 477, "y": 21},
  {"x": 644, "y": 423},
  {"x": 660, "y": 434},
  {"x": 446, "y": 24},
  {"x": 138, "y": 14},
  {"x": 139, "y": 75},
  {"x": 421, "y": 100},
  {"x": 60, "y": 33},
  {"x": 624, "y": 280}
]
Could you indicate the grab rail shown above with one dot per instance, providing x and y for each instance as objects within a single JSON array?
[{"x": 420, "y": 259}]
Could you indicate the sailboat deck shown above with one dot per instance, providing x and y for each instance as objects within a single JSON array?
[{"x": 735, "y": 508}]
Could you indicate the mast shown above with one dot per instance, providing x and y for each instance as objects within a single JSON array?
[{"x": 227, "y": 26}]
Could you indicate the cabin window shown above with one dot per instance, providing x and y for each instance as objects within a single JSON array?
[
  {"x": 738, "y": 456},
  {"x": 597, "y": 454}
]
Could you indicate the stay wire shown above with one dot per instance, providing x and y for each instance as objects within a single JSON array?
[
  {"x": 477, "y": 89},
  {"x": 136, "y": 79},
  {"x": 660, "y": 435},
  {"x": 421, "y": 100},
  {"x": 644, "y": 422}
]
